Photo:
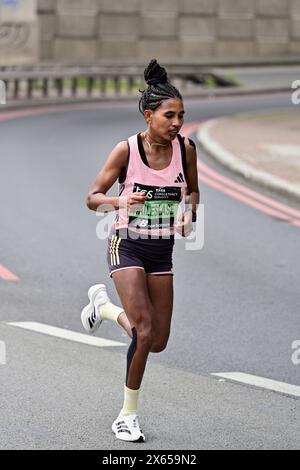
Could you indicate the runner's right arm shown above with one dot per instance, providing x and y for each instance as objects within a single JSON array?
[{"x": 97, "y": 199}]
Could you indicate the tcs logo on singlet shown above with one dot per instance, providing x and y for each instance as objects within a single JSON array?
[{"x": 148, "y": 193}]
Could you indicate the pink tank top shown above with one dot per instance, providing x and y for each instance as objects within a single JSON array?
[{"x": 164, "y": 188}]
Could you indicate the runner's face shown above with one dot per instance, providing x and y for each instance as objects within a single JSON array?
[{"x": 167, "y": 120}]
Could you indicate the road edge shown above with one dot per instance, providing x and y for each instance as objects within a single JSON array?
[{"x": 234, "y": 163}]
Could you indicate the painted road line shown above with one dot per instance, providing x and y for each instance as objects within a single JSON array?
[
  {"x": 40, "y": 111},
  {"x": 6, "y": 275},
  {"x": 203, "y": 168},
  {"x": 242, "y": 193},
  {"x": 65, "y": 334},
  {"x": 246, "y": 200},
  {"x": 59, "y": 108},
  {"x": 261, "y": 382}
]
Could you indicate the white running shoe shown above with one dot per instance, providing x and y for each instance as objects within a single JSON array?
[
  {"x": 127, "y": 428},
  {"x": 90, "y": 317}
]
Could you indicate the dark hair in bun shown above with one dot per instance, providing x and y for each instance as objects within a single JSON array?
[{"x": 159, "y": 88}]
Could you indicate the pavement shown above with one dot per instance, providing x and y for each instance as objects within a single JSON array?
[{"x": 263, "y": 147}]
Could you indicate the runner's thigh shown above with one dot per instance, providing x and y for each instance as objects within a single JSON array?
[
  {"x": 132, "y": 287},
  {"x": 160, "y": 290}
]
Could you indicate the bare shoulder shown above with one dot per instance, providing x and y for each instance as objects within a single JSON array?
[
  {"x": 119, "y": 154},
  {"x": 122, "y": 146},
  {"x": 121, "y": 149}
]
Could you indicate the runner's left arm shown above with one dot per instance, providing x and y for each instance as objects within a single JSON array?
[{"x": 192, "y": 200}]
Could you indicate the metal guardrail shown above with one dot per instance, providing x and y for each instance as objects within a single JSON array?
[{"x": 51, "y": 81}]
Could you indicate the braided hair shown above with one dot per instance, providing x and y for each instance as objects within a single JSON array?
[{"x": 159, "y": 88}]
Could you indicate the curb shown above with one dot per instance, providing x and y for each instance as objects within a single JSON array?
[{"x": 235, "y": 164}]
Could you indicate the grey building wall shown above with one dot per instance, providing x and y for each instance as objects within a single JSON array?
[
  {"x": 80, "y": 31},
  {"x": 19, "y": 32}
]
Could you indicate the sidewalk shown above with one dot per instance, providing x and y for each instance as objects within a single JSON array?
[{"x": 263, "y": 147}]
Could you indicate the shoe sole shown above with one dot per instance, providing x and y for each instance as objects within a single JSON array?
[{"x": 88, "y": 310}]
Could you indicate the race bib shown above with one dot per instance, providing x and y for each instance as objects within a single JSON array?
[{"x": 160, "y": 208}]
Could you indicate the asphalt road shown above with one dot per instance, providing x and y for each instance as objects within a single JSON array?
[{"x": 236, "y": 301}]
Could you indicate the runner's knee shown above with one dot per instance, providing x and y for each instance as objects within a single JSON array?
[
  {"x": 159, "y": 345},
  {"x": 144, "y": 336},
  {"x": 141, "y": 318}
]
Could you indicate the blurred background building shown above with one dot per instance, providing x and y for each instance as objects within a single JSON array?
[{"x": 122, "y": 31}]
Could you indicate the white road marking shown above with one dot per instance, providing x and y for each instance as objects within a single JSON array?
[
  {"x": 65, "y": 334},
  {"x": 268, "y": 384},
  {"x": 2, "y": 353}
]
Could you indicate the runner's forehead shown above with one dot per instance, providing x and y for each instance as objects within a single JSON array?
[{"x": 172, "y": 105}]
